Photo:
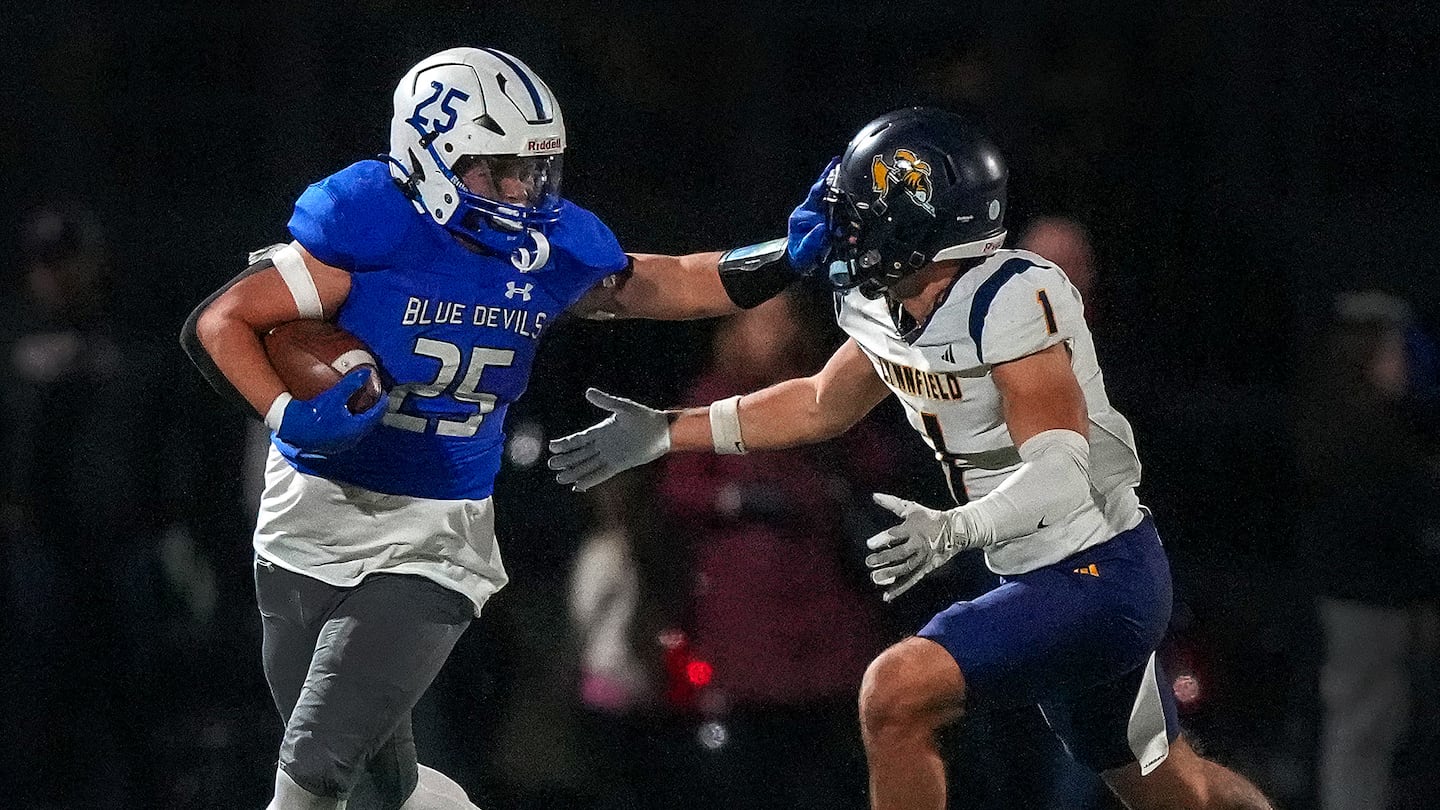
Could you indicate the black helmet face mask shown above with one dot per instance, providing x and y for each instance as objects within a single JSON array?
[{"x": 872, "y": 239}]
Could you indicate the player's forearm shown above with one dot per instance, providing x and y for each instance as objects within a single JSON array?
[
  {"x": 670, "y": 288},
  {"x": 237, "y": 351},
  {"x": 1053, "y": 482},
  {"x": 787, "y": 414}
]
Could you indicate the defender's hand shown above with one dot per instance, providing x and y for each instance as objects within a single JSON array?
[
  {"x": 632, "y": 435},
  {"x": 904, "y": 554},
  {"x": 324, "y": 425},
  {"x": 809, "y": 231}
]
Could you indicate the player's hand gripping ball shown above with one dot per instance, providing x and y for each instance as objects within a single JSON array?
[
  {"x": 333, "y": 382},
  {"x": 311, "y": 356}
]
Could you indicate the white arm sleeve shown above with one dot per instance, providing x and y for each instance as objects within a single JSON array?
[{"x": 1053, "y": 482}]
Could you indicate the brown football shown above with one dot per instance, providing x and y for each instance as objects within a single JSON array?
[{"x": 310, "y": 356}]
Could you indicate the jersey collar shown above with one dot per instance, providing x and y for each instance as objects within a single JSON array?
[{"x": 906, "y": 327}]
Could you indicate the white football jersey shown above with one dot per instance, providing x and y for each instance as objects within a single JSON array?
[{"x": 1013, "y": 304}]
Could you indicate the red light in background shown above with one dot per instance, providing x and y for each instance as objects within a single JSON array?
[
  {"x": 698, "y": 672},
  {"x": 1187, "y": 690}
]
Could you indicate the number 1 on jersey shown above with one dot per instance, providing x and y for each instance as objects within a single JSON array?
[
  {"x": 1051, "y": 327},
  {"x": 467, "y": 391}
]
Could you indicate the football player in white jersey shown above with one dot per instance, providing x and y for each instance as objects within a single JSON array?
[{"x": 988, "y": 351}]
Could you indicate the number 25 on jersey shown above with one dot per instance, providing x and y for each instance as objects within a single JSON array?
[{"x": 467, "y": 390}]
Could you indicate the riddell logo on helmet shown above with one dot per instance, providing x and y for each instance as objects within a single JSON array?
[
  {"x": 542, "y": 144},
  {"x": 906, "y": 171}
]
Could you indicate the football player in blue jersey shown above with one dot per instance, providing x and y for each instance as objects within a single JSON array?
[{"x": 449, "y": 258}]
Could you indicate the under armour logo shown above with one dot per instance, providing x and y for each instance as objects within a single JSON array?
[{"x": 512, "y": 290}]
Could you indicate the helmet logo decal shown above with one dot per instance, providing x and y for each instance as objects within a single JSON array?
[
  {"x": 905, "y": 171},
  {"x": 437, "y": 125}
]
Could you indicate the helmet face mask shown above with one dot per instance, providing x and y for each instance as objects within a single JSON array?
[
  {"x": 914, "y": 186},
  {"x": 507, "y": 192},
  {"x": 476, "y": 140}
]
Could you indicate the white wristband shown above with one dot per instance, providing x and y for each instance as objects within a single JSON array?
[
  {"x": 276, "y": 413},
  {"x": 725, "y": 427}
]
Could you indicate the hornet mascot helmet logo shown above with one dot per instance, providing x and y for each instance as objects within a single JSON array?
[{"x": 906, "y": 170}]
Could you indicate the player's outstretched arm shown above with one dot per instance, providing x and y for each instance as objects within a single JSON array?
[
  {"x": 705, "y": 285},
  {"x": 799, "y": 411},
  {"x": 664, "y": 288}
]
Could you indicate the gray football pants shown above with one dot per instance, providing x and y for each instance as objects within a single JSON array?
[{"x": 346, "y": 666}]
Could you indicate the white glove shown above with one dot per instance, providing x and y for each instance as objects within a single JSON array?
[
  {"x": 632, "y": 435},
  {"x": 924, "y": 541}
]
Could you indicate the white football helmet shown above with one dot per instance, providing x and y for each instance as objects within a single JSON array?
[{"x": 481, "y": 115}]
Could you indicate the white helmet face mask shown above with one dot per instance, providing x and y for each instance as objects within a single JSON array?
[{"x": 478, "y": 137}]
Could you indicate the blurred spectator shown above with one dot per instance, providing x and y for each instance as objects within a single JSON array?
[
  {"x": 1369, "y": 499},
  {"x": 618, "y": 673},
  {"x": 77, "y": 505},
  {"x": 783, "y": 622},
  {"x": 626, "y": 594},
  {"x": 1065, "y": 242}
]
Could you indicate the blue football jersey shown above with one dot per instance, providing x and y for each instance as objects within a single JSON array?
[{"x": 455, "y": 332}]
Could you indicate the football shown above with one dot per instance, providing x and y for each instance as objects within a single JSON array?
[{"x": 310, "y": 356}]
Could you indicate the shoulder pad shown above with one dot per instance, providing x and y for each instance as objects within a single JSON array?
[
  {"x": 356, "y": 218},
  {"x": 1024, "y": 306}
]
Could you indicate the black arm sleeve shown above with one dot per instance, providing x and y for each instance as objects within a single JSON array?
[
  {"x": 190, "y": 341},
  {"x": 754, "y": 274}
]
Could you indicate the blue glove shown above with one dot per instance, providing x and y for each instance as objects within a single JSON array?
[
  {"x": 324, "y": 424},
  {"x": 809, "y": 240}
]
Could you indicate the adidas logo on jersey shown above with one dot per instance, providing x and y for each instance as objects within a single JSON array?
[
  {"x": 1089, "y": 570},
  {"x": 949, "y": 355}
]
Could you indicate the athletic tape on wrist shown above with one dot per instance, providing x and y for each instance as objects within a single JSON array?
[
  {"x": 276, "y": 413},
  {"x": 725, "y": 427}
]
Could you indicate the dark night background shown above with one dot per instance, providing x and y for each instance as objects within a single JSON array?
[{"x": 1236, "y": 163}]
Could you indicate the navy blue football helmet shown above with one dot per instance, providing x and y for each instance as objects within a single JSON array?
[{"x": 914, "y": 186}]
